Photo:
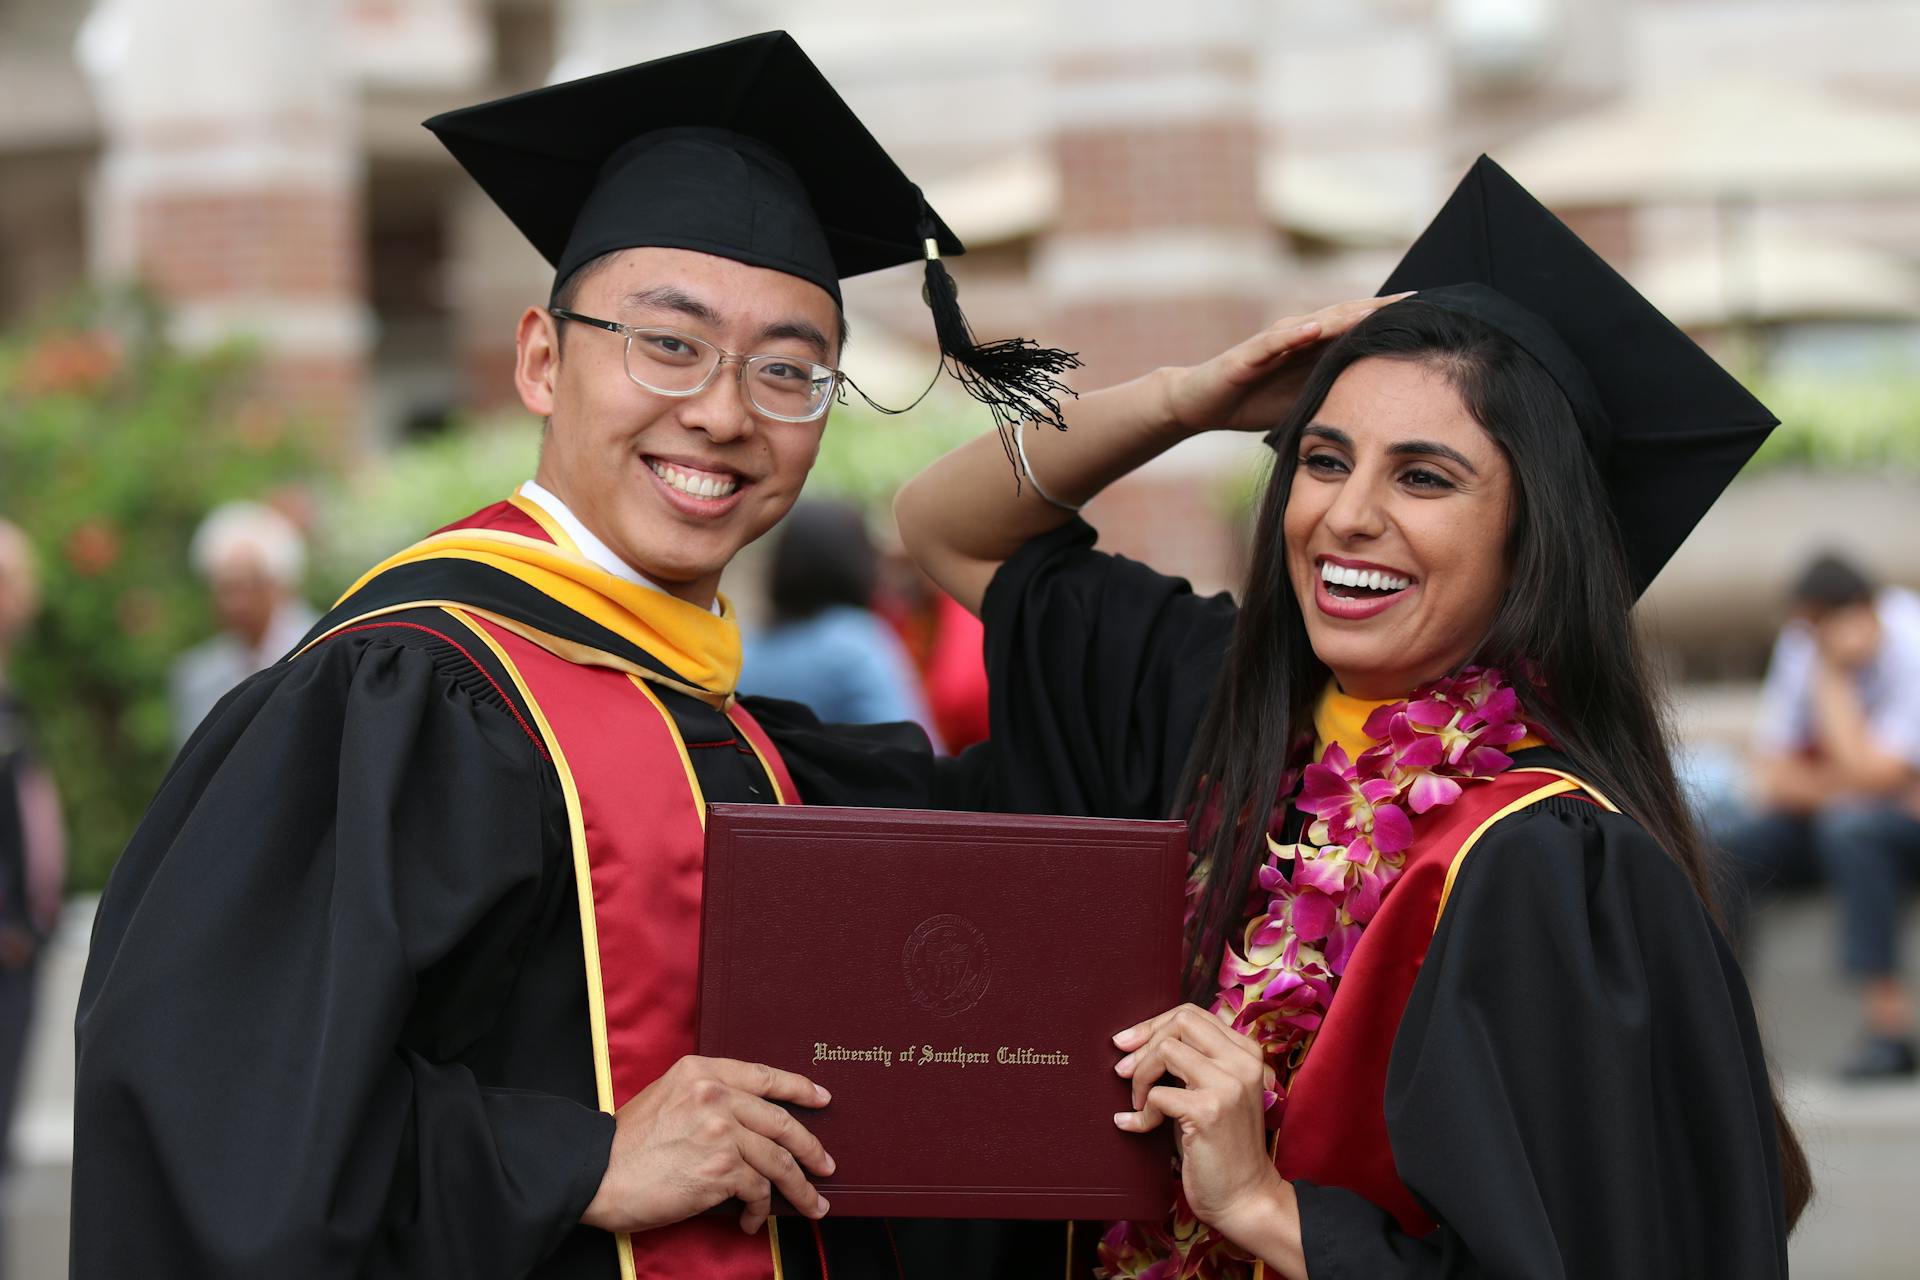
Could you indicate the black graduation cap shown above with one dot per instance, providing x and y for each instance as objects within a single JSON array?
[
  {"x": 1667, "y": 426},
  {"x": 742, "y": 150}
]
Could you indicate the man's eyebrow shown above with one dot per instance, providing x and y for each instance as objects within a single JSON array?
[
  {"x": 667, "y": 298},
  {"x": 799, "y": 331},
  {"x": 1401, "y": 449}
]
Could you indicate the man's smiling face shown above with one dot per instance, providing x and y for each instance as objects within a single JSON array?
[{"x": 675, "y": 486}]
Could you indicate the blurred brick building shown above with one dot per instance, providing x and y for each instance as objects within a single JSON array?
[{"x": 1140, "y": 181}]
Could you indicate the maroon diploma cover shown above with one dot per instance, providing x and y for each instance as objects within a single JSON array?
[{"x": 954, "y": 981}]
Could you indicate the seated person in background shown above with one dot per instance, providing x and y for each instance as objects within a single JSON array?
[
  {"x": 1838, "y": 780},
  {"x": 827, "y": 648}
]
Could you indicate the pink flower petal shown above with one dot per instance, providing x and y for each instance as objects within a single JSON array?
[
  {"x": 1364, "y": 902},
  {"x": 1378, "y": 790},
  {"x": 1269, "y": 934},
  {"x": 1484, "y": 762},
  {"x": 1340, "y": 945},
  {"x": 1313, "y": 915},
  {"x": 1392, "y": 829},
  {"x": 1375, "y": 762},
  {"x": 1325, "y": 874},
  {"x": 1424, "y": 752},
  {"x": 1430, "y": 790},
  {"x": 1503, "y": 704}
]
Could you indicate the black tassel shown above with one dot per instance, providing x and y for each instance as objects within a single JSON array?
[{"x": 1016, "y": 378}]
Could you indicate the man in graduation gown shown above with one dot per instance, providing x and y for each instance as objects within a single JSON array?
[{"x": 397, "y": 976}]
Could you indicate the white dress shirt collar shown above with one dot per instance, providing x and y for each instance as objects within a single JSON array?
[{"x": 598, "y": 553}]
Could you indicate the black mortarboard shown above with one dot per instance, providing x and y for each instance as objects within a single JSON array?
[
  {"x": 742, "y": 150},
  {"x": 1667, "y": 427}
]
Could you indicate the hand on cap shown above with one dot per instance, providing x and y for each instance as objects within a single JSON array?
[
  {"x": 1252, "y": 385},
  {"x": 706, "y": 1132}
]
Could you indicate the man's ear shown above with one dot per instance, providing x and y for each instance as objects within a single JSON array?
[{"x": 536, "y": 360}]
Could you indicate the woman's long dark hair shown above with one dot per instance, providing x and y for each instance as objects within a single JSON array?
[{"x": 1563, "y": 634}]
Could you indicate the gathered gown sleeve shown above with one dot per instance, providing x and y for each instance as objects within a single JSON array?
[
  {"x": 1577, "y": 1089},
  {"x": 872, "y": 766},
  {"x": 259, "y": 1090},
  {"x": 1100, "y": 669}
]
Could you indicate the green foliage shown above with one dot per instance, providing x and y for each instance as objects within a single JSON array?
[
  {"x": 1854, "y": 421},
  {"x": 419, "y": 486},
  {"x": 866, "y": 455},
  {"x": 395, "y": 500},
  {"x": 113, "y": 446}
]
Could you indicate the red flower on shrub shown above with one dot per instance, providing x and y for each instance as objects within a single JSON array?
[
  {"x": 93, "y": 547},
  {"x": 69, "y": 363}
]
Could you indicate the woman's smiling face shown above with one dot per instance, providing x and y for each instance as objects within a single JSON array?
[{"x": 1396, "y": 528}]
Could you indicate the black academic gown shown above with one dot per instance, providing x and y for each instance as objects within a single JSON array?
[
  {"x": 1576, "y": 1087},
  {"x": 334, "y": 1021}
]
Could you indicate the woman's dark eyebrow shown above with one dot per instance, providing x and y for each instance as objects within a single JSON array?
[
  {"x": 1332, "y": 435},
  {"x": 1433, "y": 449},
  {"x": 1403, "y": 449}
]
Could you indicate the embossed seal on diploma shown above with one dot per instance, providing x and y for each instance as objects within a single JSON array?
[{"x": 945, "y": 962}]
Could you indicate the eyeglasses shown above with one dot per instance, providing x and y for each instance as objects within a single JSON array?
[{"x": 668, "y": 362}]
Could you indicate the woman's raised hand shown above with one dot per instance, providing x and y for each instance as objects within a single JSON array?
[
  {"x": 1219, "y": 1109},
  {"x": 1250, "y": 387}
]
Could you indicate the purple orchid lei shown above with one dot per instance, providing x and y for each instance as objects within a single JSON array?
[{"x": 1278, "y": 985}]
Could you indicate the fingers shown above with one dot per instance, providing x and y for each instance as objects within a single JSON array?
[
  {"x": 771, "y": 1122},
  {"x": 1164, "y": 1102},
  {"x": 756, "y": 1194},
  {"x": 1198, "y": 1048},
  {"x": 1259, "y": 353},
  {"x": 1342, "y": 316},
  {"x": 1138, "y": 1034},
  {"x": 1322, "y": 326},
  {"x": 776, "y": 1164},
  {"x": 767, "y": 1082},
  {"x": 1296, "y": 333},
  {"x": 1195, "y": 1025},
  {"x": 1205, "y": 1031},
  {"x": 1171, "y": 1056}
]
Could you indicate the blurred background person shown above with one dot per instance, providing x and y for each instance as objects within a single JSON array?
[
  {"x": 955, "y": 676},
  {"x": 32, "y": 844},
  {"x": 252, "y": 559},
  {"x": 1837, "y": 781},
  {"x": 826, "y": 647},
  {"x": 945, "y": 643}
]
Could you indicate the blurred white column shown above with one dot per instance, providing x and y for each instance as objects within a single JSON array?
[
  {"x": 231, "y": 184},
  {"x": 599, "y": 35},
  {"x": 1162, "y": 252}
]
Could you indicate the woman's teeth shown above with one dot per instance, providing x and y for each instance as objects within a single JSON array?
[
  {"x": 1339, "y": 575},
  {"x": 695, "y": 483}
]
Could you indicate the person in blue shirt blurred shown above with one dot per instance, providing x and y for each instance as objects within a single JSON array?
[
  {"x": 826, "y": 647},
  {"x": 1837, "y": 773}
]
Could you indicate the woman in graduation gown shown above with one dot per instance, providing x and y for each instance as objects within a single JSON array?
[{"x": 1459, "y": 1005}]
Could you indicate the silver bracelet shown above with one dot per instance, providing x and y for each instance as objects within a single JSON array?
[{"x": 1020, "y": 443}]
